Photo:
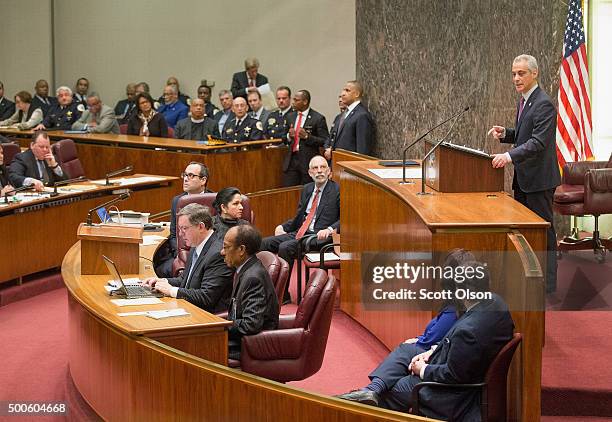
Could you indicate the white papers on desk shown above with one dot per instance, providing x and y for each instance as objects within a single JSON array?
[
  {"x": 139, "y": 301},
  {"x": 396, "y": 173},
  {"x": 152, "y": 239},
  {"x": 124, "y": 181},
  {"x": 167, "y": 313},
  {"x": 316, "y": 256}
]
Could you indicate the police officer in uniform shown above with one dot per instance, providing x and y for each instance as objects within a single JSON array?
[
  {"x": 276, "y": 125},
  {"x": 242, "y": 127},
  {"x": 62, "y": 115}
]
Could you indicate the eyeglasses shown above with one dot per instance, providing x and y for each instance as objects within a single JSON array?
[{"x": 190, "y": 176}]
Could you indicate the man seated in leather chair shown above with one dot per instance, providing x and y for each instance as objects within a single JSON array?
[
  {"x": 461, "y": 357},
  {"x": 253, "y": 305}
]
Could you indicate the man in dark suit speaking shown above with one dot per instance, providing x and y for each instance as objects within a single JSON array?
[
  {"x": 206, "y": 281},
  {"x": 462, "y": 357},
  {"x": 355, "y": 128},
  {"x": 317, "y": 213},
  {"x": 536, "y": 169},
  {"x": 248, "y": 81}
]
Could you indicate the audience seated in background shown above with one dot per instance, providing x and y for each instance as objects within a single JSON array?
[
  {"x": 318, "y": 212},
  {"x": 307, "y": 133},
  {"x": 173, "y": 110},
  {"x": 205, "y": 93},
  {"x": 242, "y": 127},
  {"x": 258, "y": 111},
  {"x": 7, "y": 107},
  {"x": 98, "y": 118},
  {"x": 198, "y": 126},
  {"x": 226, "y": 114},
  {"x": 253, "y": 305},
  {"x": 5, "y": 185},
  {"x": 276, "y": 125},
  {"x": 142, "y": 87},
  {"x": 206, "y": 281},
  {"x": 228, "y": 204},
  {"x": 125, "y": 107},
  {"x": 146, "y": 121},
  {"x": 462, "y": 357},
  {"x": 184, "y": 99},
  {"x": 80, "y": 93},
  {"x": 195, "y": 180},
  {"x": 26, "y": 116},
  {"x": 41, "y": 99},
  {"x": 62, "y": 114},
  {"x": 355, "y": 130},
  {"x": 248, "y": 80},
  {"x": 37, "y": 166}
]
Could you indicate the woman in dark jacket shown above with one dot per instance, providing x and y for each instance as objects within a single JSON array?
[
  {"x": 228, "y": 205},
  {"x": 147, "y": 122}
]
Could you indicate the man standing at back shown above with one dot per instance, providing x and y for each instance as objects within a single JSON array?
[
  {"x": 534, "y": 155},
  {"x": 253, "y": 305},
  {"x": 248, "y": 81},
  {"x": 355, "y": 129}
]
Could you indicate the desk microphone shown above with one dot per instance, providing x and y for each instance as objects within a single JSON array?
[
  {"x": 66, "y": 182},
  {"x": 116, "y": 172},
  {"x": 116, "y": 199},
  {"x": 15, "y": 190},
  {"x": 433, "y": 149},
  {"x": 404, "y": 181}
]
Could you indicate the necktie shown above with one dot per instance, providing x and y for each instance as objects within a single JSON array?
[
  {"x": 341, "y": 121},
  {"x": 43, "y": 172},
  {"x": 193, "y": 263},
  {"x": 296, "y": 136},
  {"x": 521, "y": 106},
  {"x": 252, "y": 82},
  {"x": 309, "y": 217}
]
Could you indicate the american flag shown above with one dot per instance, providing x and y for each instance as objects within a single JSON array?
[{"x": 574, "y": 141}]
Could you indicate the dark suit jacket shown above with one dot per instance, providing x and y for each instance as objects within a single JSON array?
[
  {"x": 82, "y": 101},
  {"x": 250, "y": 129},
  {"x": 210, "y": 283},
  {"x": 124, "y": 108},
  {"x": 183, "y": 129},
  {"x": 253, "y": 305},
  {"x": 316, "y": 126},
  {"x": 357, "y": 132},
  {"x": 534, "y": 154},
  {"x": 333, "y": 131},
  {"x": 4, "y": 180},
  {"x": 38, "y": 103},
  {"x": 328, "y": 210},
  {"x": 463, "y": 356},
  {"x": 240, "y": 81},
  {"x": 7, "y": 108},
  {"x": 157, "y": 126},
  {"x": 24, "y": 165}
]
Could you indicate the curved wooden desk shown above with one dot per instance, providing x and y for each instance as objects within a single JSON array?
[
  {"x": 134, "y": 369},
  {"x": 380, "y": 215}
]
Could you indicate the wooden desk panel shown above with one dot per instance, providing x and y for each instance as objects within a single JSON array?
[{"x": 273, "y": 207}]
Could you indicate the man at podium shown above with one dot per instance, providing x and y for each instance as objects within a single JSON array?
[{"x": 536, "y": 170}]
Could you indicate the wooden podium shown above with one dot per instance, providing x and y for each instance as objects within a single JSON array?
[
  {"x": 454, "y": 168},
  {"x": 118, "y": 242}
]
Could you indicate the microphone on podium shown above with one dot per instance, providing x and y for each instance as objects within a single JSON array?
[
  {"x": 117, "y": 172},
  {"x": 116, "y": 199},
  {"x": 436, "y": 147},
  {"x": 455, "y": 116}
]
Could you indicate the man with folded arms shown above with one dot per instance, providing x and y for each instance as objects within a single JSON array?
[
  {"x": 206, "y": 281},
  {"x": 98, "y": 118},
  {"x": 198, "y": 126},
  {"x": 253, "y": 305},
  {"x": 36, "y": 166}
]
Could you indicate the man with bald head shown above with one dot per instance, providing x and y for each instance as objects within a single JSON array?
[
  {"x": 242, "y": 127},
  {"x": 41, "y": 99},
  {"x": 98, "y": 118},
  {"x": 173, "y": 110},
  {"x": 198, "y": 126},
  {"x": 355, "y": 131}
]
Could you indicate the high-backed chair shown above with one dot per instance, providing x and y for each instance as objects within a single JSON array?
[
  {"x": 493, "y": 389},
  {"x": 205, "y": 199},
  {"x": 278, "y": 269},
  {"x": 66, "y": 154},
  {"x": 586, "y": 189},
  {"x": 123, "y": 129},
  {"x": 296, "y": 349},
  {"x": 9, "y": 150}
]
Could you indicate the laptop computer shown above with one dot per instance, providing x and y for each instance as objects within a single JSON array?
[{"x": 130, "y": 292}]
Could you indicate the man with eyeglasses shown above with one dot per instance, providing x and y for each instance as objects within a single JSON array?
[
  {"x": 195, "y": 180},
  {"x": 206, "y": 281},
  {"x": 98, "y": 118}
]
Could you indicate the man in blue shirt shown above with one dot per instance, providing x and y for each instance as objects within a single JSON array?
[{"x": 173, "y": 110}]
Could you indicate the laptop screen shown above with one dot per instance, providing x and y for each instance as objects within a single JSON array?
[
  {"x": 104, "y": 215},
  {"x": 112, "y": 269}
]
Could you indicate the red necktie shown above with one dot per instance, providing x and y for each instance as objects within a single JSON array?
[
  {"x": 252, "y": 82},
  {"x": 296, "y": 136},
  {"x": 521, "y": 106},
  {"x": 309, "y": 217}
]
